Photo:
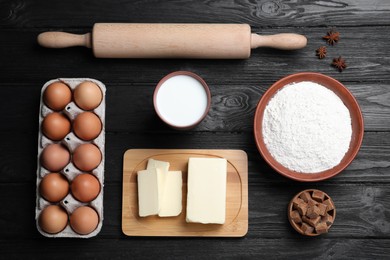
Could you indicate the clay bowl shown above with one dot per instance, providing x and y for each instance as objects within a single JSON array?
[
  {"x": 297, "y": 226},
  {"x": 349, "y": 101},
  {"x": 204, "y": 85}
]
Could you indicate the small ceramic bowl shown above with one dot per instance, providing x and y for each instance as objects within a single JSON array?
[
  {"x": 186, "y": 103},
  {"x": 349, "y": 101},
  {"x": 328, "y": 219}
]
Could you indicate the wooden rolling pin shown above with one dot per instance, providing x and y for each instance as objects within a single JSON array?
[{"x": 200, "y": 41}]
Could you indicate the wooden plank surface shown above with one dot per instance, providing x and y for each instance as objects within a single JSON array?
[
  {"x": 236, "y": 222},
  {"x": 262, "y": 13},
  {"x": 232, "y": 109},
  {"x": 362, "y": 212},
  {"x": 172, "y": 248},
  {"x": 361, "y": 47},
  {"x": 370, "y": 166},
  {"x": 361, "y": 192}
]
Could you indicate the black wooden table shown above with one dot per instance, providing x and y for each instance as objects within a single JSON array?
[{"x": 361, "y": 192}]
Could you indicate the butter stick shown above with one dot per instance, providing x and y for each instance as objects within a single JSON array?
[
  {"x": 206, "y": 197},
  {"x": 148, "y": 199},
  {"x": 171, "y": 203}
]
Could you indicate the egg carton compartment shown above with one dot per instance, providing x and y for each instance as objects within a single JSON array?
[
  {"x": 71, "y": 141},
  {"x": 70, "y": 204},
  {"x": 70, "y": 171}
]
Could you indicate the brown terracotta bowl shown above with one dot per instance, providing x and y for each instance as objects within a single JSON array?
[
  {"x": 298, "y": 226},
  {"x": 349, "y": 101},
  {"x": 200, "y": 80}
]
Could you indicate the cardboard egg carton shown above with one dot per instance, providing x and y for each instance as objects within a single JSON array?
[{"x": 70, "y": 171}]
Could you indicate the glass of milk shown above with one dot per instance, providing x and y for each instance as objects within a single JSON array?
[{"x": 182, "y": 99}]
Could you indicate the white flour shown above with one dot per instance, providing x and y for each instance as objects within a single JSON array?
[{"x": 306, "y": 127}]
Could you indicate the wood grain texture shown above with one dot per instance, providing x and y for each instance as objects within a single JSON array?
[
  {"x": 236, "y": 222},
  {"x": 149, "y": 40},
  {"x": 232, "y": 107},
  {"x": 342, "y": 248},
  {"x": 25, "y": 14},
  {"x": 18, "y": 165},
  {"x": 362, "y": 211},
  {"x": 361, "y": 47},
  {"x": 361, "y": 192}
]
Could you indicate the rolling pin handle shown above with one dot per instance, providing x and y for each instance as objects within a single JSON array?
[
  {"x": 282, "y": 41},
  {"x": 64, "y": 40}
]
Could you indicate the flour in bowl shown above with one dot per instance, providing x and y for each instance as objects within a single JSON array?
[{"x": 306, "y": 127}]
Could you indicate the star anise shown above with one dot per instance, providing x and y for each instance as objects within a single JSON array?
[
  {"x": 339, "y": 63},
  {"x": 332, "y": 37},
  {"x": 321, "y": 52}
]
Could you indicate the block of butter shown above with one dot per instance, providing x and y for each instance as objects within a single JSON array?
[
  {"x": 206, "y": 196},
  {"x": 148, "y": 190},
  {"x": 171, "y": 198},
  {"x": 162, "y": 170},
  {"x": 159, "y": 190}
]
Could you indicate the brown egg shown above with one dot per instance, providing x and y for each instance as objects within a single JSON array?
[
  {"x": 54, "y": 187},
  {"x": 87, "y": 126},
  {"x": 85, "y": 187},
  {"x": 55, "y": 157},
  {"x": 53, "y": 219},
  {"x": 88, "y": 95},
  {"x": 84, "y": 220},
  {"x": 57, "y": 95},
  {"x": 87, "y": 157},
  {"x": 55, "y": 126}
]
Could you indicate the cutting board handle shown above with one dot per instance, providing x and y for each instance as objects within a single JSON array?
[
  {"x": 282, "y": 41},
  {"x": 64, "y": 40}
]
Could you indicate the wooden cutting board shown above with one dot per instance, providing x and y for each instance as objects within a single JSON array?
[{"x": 236, "y": 224}]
